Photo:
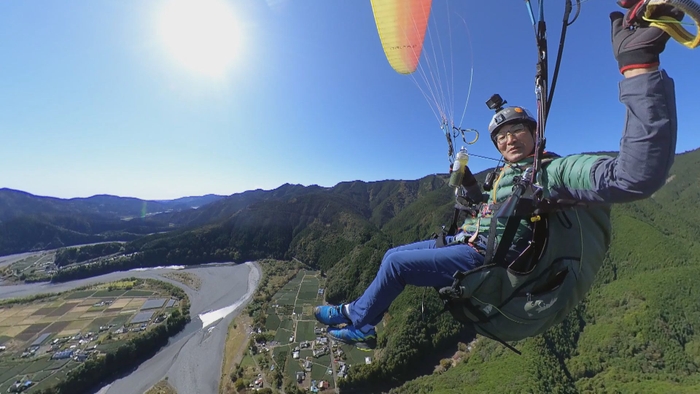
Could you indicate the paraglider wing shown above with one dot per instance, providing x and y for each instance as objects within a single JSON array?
[{"x": 401, "y": 25}]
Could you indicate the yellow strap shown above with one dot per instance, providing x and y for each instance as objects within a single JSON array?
[{"x": 674, "y": 27}]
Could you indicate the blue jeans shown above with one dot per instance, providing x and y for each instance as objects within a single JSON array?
[{"x": 419, "y": 264}]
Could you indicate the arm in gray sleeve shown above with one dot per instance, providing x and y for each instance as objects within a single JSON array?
[{"x": 647, "y": 147}]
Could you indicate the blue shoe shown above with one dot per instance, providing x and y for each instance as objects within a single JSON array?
[
  {"x": 353, "y": 336},
  {"x": 331, "y": 315}
]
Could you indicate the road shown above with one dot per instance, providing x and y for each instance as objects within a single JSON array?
[{"x": 192, "y": 360}]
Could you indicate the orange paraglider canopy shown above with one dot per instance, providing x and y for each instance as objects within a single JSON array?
[{"x": 401, "y": 25}]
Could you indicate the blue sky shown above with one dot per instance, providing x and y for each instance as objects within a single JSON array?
[{"x": 93, "y": 100}]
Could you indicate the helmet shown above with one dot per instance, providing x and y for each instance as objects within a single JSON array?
[{"x": 510, "y": 115}]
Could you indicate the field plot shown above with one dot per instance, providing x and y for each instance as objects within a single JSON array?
[
  {"x": 78, "y": 295},
  {"x": 286, "y": 323},
  {"x": 273, "y": 321},
  {"x": 47, "y": 338},
  {"x": 305, "y": 330},
  {"x": 286, "y": 298},
  {"x": 354, "y": 355},
  {"x": 138, "y": 293},
  {"x": 109, "y": 293},
  {"x": 309, "y": 290},
  {"x": 282, "y": 336},
  {"x": 318, "y": 372},
  {"x": 293, "y": 366}
]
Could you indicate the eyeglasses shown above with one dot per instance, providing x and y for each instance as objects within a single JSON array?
[{"x": 515, "y": 131}]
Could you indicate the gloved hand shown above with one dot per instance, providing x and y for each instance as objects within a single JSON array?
[
  {"x": 635, "y": 43},
  {"x": 472, "y": 186}
]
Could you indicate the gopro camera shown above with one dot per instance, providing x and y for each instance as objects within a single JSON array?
[{"x": 496, "y": 102}]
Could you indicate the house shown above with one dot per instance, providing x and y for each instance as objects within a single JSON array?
[
  {"x": 81, "y": 357},
  {"x": 324, "y": 385},
  {"x": 62, "y": 355},
  {"x": 19, "y": 386},
  {"x": 320, "y": 352},
  {"x": 307, "y": 365},
  {"x": 368, "y": 360},
  {"x": 295, "y": 355},
  {"x": 343, "y": 370},
  {"x": 301, "y": 376}
]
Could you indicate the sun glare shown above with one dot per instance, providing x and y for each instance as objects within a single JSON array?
[{"x": 203, "y": 35}]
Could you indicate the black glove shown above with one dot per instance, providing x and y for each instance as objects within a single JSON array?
[
  {"x": 635, "y": 43},
  {"x": 472, "y": 187}
]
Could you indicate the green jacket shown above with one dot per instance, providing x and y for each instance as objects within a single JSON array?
[
  {"x": 510, "y": 305},
  {"x": 521, "y": 305}
]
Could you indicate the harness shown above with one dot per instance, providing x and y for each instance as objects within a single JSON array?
[{"x": 519, "y": 207}]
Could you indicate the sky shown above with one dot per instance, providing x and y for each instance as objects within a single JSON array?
[{"x": 159, "y": 99}]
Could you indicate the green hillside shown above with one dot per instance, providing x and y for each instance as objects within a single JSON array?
[{"x": 636, "y": 332}]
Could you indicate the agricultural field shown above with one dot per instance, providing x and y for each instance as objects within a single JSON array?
[
  {"x": 300, "y": 348},
  {"x": 42, "y": 340},
  {"x": 36, "y": 267}
]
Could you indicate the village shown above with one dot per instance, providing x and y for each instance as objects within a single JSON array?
[
  {"x": 54, "y": 337},
  {"x": 293, "y": 342}
]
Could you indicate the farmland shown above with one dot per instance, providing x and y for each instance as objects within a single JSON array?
[
  {"x": 292, "y": 346},
  {"x": 49, "y": 336},
  {"x": 33, "y": 268}
]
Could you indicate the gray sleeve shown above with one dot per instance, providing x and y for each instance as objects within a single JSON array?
[{"x": 648, "y": 143}]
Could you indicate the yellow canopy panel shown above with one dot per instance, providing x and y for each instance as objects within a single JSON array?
[{"x": 401, "y": 25}]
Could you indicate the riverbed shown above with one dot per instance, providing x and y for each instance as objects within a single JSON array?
[{"x": 192, "y": 359}]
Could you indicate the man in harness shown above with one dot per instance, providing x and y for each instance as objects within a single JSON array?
[{"x": 513, "y": 276}]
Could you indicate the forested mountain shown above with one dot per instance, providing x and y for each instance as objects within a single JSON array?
[
  {"x": 15, "y": 203},
  {"x": 29, "y": 222},
  {"x": 634, "y": 333}
]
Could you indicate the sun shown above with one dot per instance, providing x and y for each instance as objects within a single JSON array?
[{"x": 203, "y": 35}]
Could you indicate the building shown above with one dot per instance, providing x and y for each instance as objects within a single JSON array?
[{"x": 62, "y": 355}]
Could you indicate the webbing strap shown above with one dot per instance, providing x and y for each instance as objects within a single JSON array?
[
  {"x": 453, "y": 226},
  {"x": 498, "y": 255},
  {"x": 672, "y": 26}
]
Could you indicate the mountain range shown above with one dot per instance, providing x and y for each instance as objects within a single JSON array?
[{"x": 634, "y": 333}]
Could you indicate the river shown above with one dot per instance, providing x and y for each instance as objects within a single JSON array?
[{"x": 192, "y": 359}]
